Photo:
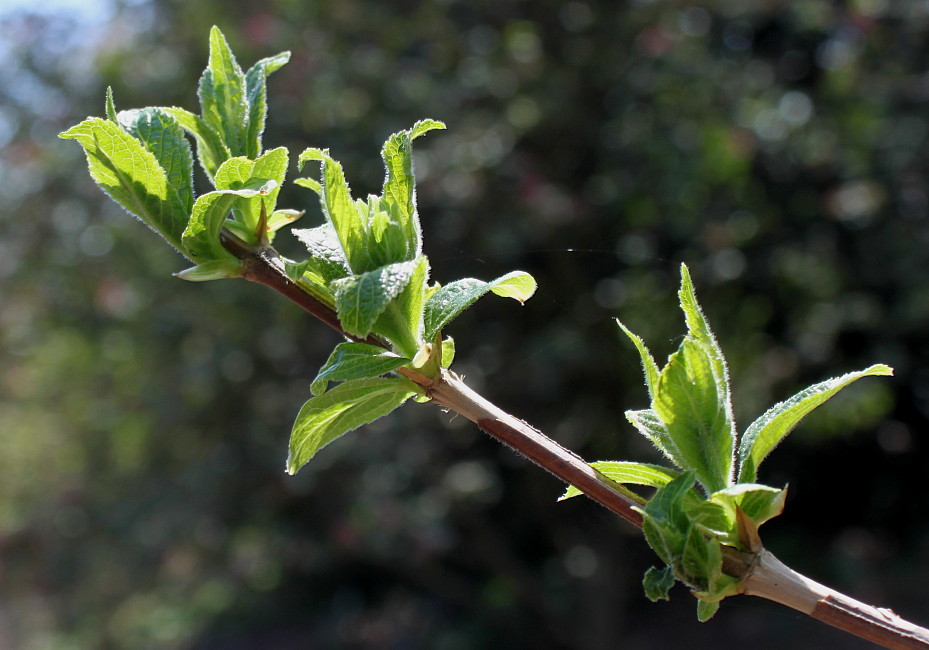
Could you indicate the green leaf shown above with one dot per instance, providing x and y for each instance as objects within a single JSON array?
[
  {"x": 240, "y": 172},
  {"x": 280, "y": 218},
  {"x": 746, "y": 506},
  {"x": 657, "y": 583},
  {"x": 350, "y": 361},
  {"x": 211, "y": 150},
  {"x": 326, "y": 256},
  {"x": 667, "y": 505},
  {"x": 698, "y": 561},
  {"x": 111, "y": 106},
  {"x": 450, "y": 300},
  {"x": 223, "y": 103},
  {"x": 257, "y": 98},
  {"x": 201, "y": 238},
  {"x": 770, "y": 429},
  {"x": 706, "y": 610},
  {"x": 689, "y": 402},
  {"x": 215, "y": 270},
  {"x": 131, "y": 175},
  {"x": 647, "y": 422},
  {"x": 448, "y": 351},
  {"x": 399, "y": 192},
  {"x": 424, "y": 126},
  {"x": 344, "y": 408},
  {"x": 693, "y": 397},
  {"x": 162, "y": 135},
  {"x": 648, "y": 362},
  {"x": 629, "y": 473},
  {"x": 361, "y": 299},
  {"x": 340, "y": 210},
  {"x": 402, "y": 321}
]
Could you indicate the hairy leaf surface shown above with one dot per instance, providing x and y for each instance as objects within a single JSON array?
[
  {"x": 340, "y": 410},
  {"x": 776, "y": 423},
  {"x": 223, "y": 102},
  {"x": 629, "y": 473},
  {"x": 361, "y": 299},
  {"x": 350, "y": 361},
  {"x": 211, "y": 150},
  {"x": 130, "y": 175},
  {"x": 450, "y": 300}
]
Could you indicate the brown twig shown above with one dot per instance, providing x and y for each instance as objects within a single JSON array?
[{"x": 761, "y": 573}]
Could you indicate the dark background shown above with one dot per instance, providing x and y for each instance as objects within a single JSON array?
[{"x": 777, "y": 148}]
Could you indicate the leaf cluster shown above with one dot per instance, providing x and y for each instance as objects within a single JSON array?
[
  {"x": 365, "y": 261},
  {"x": 709, "y": 498}
]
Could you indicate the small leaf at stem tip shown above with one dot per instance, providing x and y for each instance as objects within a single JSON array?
[
  {"x": 648, "y": 362},
  {"x": 110, "y": 105},
  {"x": 424, "y": 126}
]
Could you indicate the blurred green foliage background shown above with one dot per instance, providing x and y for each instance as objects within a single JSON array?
[{"x": 777, "y": 148}]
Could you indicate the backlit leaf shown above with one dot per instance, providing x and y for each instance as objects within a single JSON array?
[
  {"x": 350, "y": 361},
  {"x": 131, "y": 175},
  {"x": 211, "y": 150},
  {"x": 347, "y": 406},
  {"x": 361, "y": 299},
  {"x": 629, "y": 473},
  {"x": 223, "y": 102},
  {"x": 257, "y": 98},
  {"x": 770, "y": 429},
  {"x": 450, "y": 300}
]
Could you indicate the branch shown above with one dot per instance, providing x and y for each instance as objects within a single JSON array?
[
  {"x": 775, "y": 581},
  {"x": 761, "y": 574}
]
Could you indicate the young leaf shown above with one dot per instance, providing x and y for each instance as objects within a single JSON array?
[
  {"x": 239, "y": 172},
  {"x": 350, "y": 361},
  {"x": 402, "y": 321},
  {"x": 747, "y": 506},
  {"x": 222, "y": 95},
  {"x": 629, "y": 473},
  {"x": 657, "y": 583},
  {"x": 162, "y": 135},
  {"x": 647, "y": 422},
  {"x": 648, "y": 362},
  {"x": 721, "y": 427},
  {"x": 399, "y": 193},
  {"x": 667, "y": 505},
  {"x": 111, "y": 106},
  {"x": 257, "y": 99},
  {"x": 131, "y": 175},
  {"x": 211, "y": 150},
  {"x": 767, "y": 431},
  {"x": 201, "y": 238},
  {"x": 214, "y": 270},
  {"x": 706, "y": 610},
  {"x": 361, "y": 299},
  {"x": 689, "y": 403},
  {"x": 326, "y": 255},
  {"x": 339, "y": 209},
  {"x": 450, "y": 300},
  {"x": 347, "y": 406}
]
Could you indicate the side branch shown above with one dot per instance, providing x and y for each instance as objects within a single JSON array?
[{"x": 762, "y": 574}]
